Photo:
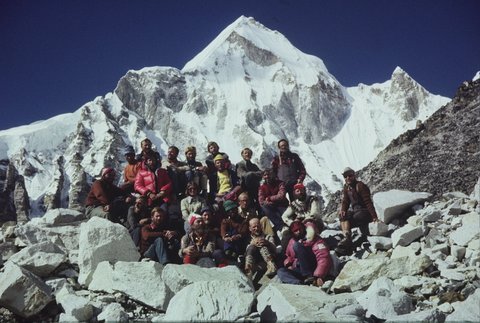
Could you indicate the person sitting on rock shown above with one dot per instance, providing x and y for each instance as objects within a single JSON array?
[
  {"x": 130, "y": 171},
  {"x": 234, "y": 231},
  {"x": 176, "y": 171},
  {"x": 199, "y": 245},
  {"x": 138, "y": 215},
  {"x": 154, "y": 183},
  {"x": 196, "y": 172},
  {"x": 288, "y": 167},
  {"x": 307, "y": 256},
  {"x": 273, "y": 201},
  {"x": 106, "y": 200},
  {"x": 301, "y": 208},
  {"x": 211, "y": 222},
  {"x": 356, "y": 195},
  {"x": 260, "y": 252},
  {"x": 225, "y": 184},
  {"x": 191, "y": 204},
  {"x": 250, "y": 176},
  {"x": 248, "y": 212},
  {"x": 159, "y": 241},
  {"x": 146, "y": 146}
]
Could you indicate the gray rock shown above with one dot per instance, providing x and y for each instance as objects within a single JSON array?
[
  {"x": 113, "y": 312},
  {"x": 76, "y": 306},
  {"x": 385, "y": 300},
  {"x": 284, "y": 302},
  {"x": 458, "y": 252},
  {"x": 468, "y": 231},
  {"x": 455, "y": 208},
  {"x": 430, "y": 213},
  {"x": 140, "y": 281},
  {"x": 378, "y": 229},
  {"x": 178, "y": 277},
  {"x": 22, "y": 292},
  {"x": 432, "y": 316},
  {"x": 380, "y": 243},
  {"x": 225, "y": 302},
  {"x": 452, "y": 274},
  {"x": 394, "y": 203},
  {"x": 466, "y": 311},
  {"x": 41, "y": 259},
  {"x": 62, "y": 216},
  {"x": 406, "y": 235},
  {"x": 101, "y": 240},
  {"x": 358, "y": 274}
]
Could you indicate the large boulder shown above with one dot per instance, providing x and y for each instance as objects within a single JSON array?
[
  {"x": 37, "y": 231},
  {"x": 385, "y": 300},
  {"x": 76, "y": 306},
  {"x": 359, "y": 274},
  {"x": 466, "y": 311},
  {"x": 179, "y": 276},
  {"x": 468, "y": 231},
  {"x": 140, "y": 281},
  {"x": 41, "y": 259},
  {"x": 392, "y": 204},
  {"x": 293, "y": 303},
  {"x": 426, "y": 316},
  {"x": 214, "y": 300},
  {"x": 102, "y": 240},
  {"x": 406, "y": 235},
  {"x": 62, "y": 216},
  {"x": 22, "y": 292}
]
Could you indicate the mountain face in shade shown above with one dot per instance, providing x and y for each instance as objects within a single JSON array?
[{"x": 249, "y": 87}]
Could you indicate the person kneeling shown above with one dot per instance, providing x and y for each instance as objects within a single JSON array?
[
  {"x": 158, "y": 241},
  {"x": 199, "y": 246},
  {"x": 307, "y": 257}
]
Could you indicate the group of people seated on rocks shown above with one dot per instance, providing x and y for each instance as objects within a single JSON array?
[{"x": 219, "y": 213}]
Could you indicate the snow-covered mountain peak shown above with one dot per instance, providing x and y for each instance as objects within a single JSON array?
[
  {"x": 247, "y": 41},
  {"x": 477, "y": 76}
]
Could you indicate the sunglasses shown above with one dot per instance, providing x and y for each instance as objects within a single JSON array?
[{"x": 348, "y": 175}]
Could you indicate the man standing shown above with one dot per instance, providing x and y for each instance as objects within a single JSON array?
[
  {"x": 288, "y": 167},
  {"x": 249, "y": 174},
  {"x": 176, "y": 171},
  {"x": 356, "y": 195},
  {"x": 105, "y": 199},
  {"x": 146, "y": 146}
]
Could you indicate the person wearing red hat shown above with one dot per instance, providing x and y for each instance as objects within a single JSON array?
[
  {"x": 308, "y": 258},
  {"x": 199, "y": 246},
  {"x": 105, "y": 199}
]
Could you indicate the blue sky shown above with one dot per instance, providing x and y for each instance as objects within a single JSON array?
[{"x": 57, "y": 55}]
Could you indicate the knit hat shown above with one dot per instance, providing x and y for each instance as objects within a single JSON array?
[
  {"x": 229, "y": 205},
  {"x": 193, "y": 217},
  {"x": 218, "y": 157},
  {"x": 107, "y": 170},
  {"x": 299, "y": 186},
  {"x": 205, "y": 209},
  {"x": 296, "y": 225},
  {"x": 348, "y": 170},
  {"x": 129, "y": 150}
]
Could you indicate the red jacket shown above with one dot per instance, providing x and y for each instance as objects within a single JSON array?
[
  {"x": 154, "y": 182},
  {"x": 319, "y": 249},
  {"x": 275, "y": 192}
]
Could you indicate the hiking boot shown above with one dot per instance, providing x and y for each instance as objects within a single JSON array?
[
  {"x": 309, "y": 280},
  {"x": 271, "y": 269},
  {"x": 345, "y": 246}
]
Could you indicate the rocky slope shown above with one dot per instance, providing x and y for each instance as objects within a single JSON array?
[
  {"x": 426, "y": 268},
  {"x": 440, "y": 155}
]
